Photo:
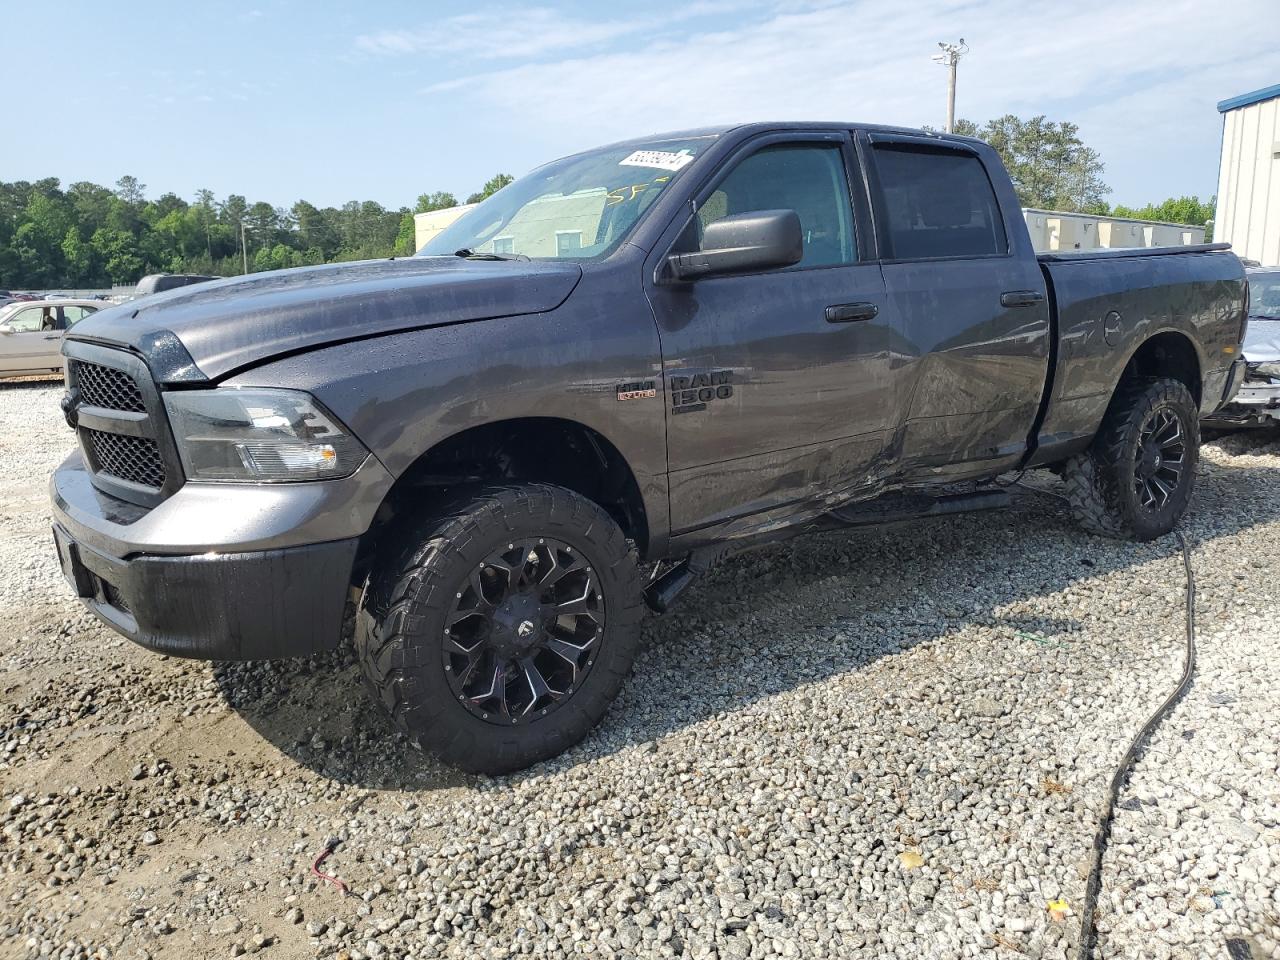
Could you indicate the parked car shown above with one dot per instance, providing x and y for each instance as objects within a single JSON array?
[
  {"x": 1257, "y": 404},
  {"x": 31, "y": 334},
  {"x": 159, "y": 282},
  {"x": 652, "y": 353}
]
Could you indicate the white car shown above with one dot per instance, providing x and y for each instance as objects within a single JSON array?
[{"x": 31, "y": 333}]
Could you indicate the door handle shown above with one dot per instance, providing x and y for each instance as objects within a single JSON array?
[
  {"x": 1021, "y": 298},
  {"x": 848, "y": 312},
  {"x": 56, "y": 336}
]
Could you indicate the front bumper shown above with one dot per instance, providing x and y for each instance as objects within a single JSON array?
[{"x": 217, "y": 571}]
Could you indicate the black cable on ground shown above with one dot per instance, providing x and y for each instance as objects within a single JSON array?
[{"x": 1088, "y": 921}]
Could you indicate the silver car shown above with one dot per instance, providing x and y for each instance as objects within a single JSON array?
[{"x": 31, "y": 333}]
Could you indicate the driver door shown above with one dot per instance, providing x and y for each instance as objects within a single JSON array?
[
  {"x": 33, "y": 340},
  {"x": 776, "y": 381}
]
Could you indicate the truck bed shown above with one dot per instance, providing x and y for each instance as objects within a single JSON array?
[{"x": 1107, "y": 303}]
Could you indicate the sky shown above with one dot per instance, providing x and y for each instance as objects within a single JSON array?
[{"x": 282, "y": 100}]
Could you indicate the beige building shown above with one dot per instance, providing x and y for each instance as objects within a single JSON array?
[
  {"x": 575, "y": 223},
  {"x": 427, "y": 225},
  {"x": 1055, "y": 230},
  {"x": 1248, "y": 214}
]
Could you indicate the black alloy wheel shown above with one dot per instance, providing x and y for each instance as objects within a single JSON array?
[
  {"x": 1136, "y": 479},
  {"x": 1161, "y": 457},
  {"x": 496, "y": 629},
  {"x": 521, "y": 635}
]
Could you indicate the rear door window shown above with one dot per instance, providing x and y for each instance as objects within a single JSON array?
[
  {"x": 74, "y": 315},
  {"x": 937, "y": 203}
]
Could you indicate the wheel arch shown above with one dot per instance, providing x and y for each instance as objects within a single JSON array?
[
  {"x": 553, "y": 450},
  {"x": 1166, "y": 353}
]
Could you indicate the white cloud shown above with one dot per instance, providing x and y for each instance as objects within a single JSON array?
[
  {"x": 509, "y": 33},
  {"x": 1141, "y": 78},
  {"x": 515, "y": 33}
]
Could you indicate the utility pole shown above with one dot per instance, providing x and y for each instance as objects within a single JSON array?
[
  {"x": 244, "y": 249},
  {"x": 949, "y": 57}
]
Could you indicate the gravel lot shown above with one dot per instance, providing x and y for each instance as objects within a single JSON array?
[{"x": 889, "y": 743}]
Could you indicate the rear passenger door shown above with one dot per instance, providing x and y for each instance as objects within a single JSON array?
[{"x": 961, "y": 277}]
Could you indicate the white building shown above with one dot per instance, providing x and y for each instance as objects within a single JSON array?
[
  {"x": 1248, "y": 215},
  {"x": 1058, "y": 230}
]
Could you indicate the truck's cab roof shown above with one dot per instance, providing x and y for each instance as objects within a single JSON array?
[{"x": 743, "y": 130}]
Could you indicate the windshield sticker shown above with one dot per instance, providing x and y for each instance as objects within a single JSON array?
[{"x": 659, "y": 159}]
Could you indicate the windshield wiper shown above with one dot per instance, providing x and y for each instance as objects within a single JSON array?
[{"x": 468, "y": 254}]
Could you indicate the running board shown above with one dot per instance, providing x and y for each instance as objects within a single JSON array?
[
  {"x": 897, "y": 508},
  {"x": 663, "y": 591}
]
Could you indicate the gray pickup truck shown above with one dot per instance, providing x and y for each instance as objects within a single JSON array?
[{"x": 637, "y": 358}]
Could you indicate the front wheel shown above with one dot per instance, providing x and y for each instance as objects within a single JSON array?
[
  {"x": 497, "y": 635},
  {"x": 1135, "y": 480}
]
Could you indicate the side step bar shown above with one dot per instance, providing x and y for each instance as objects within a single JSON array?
[
  {"x": 662, "y": 592},
  {"x": 897, "y": 508}
]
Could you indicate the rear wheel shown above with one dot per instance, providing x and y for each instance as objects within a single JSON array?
[
  {"x": 498, "y": 634},
  {"x": 1135, "y": 480}
]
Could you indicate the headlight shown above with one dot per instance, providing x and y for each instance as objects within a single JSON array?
[{"x": 258, "y": 434}]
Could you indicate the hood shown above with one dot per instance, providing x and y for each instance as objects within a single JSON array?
[
  {"x": 1262, "y": 341},
  {"x": 209, "y": 330}
]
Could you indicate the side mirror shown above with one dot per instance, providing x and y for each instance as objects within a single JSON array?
[
  {"x": 5, "y": 328},
  {"x": 743, "y": 243}
]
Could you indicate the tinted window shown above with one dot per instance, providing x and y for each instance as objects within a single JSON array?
[
  {"x": 938, "y": 203},
  {"x": 808, "y": 179}
]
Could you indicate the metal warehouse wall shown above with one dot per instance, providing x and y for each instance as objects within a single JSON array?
[{"x": 1248, "y": 215}]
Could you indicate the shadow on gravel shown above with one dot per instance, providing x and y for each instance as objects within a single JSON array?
[
  {"x": 317, "y": 712},
  {"x": 909, "y": 584},
  {"x": 26, "y": 384}
]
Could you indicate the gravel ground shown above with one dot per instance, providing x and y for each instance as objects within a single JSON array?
[{"x": 888, "y": 743}]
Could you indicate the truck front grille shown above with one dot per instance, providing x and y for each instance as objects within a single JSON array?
[
  {"x": 111, "y": 389},
  {"x": 117, "y": 411},
  {"x": 135, "y": 459}
]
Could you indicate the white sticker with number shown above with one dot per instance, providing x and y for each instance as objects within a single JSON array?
[{"x": 658, "y": 159}]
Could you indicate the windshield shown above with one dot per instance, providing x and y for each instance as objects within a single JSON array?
[
  {"x": 578, "y": 208},
  {"x": 1264, "y": 295}
]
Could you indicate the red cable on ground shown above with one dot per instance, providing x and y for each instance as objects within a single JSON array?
[{"x": 315, "y": 868}]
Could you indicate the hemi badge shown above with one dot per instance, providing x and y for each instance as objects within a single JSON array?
[{"x": 639, "y": 390}]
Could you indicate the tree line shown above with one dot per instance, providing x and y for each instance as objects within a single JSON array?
[
  {"x": 1052, "y": 169},
  {"x": 89, "y": 235}
]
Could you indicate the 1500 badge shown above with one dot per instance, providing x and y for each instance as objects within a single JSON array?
[{"x": 690, "y": 394}]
